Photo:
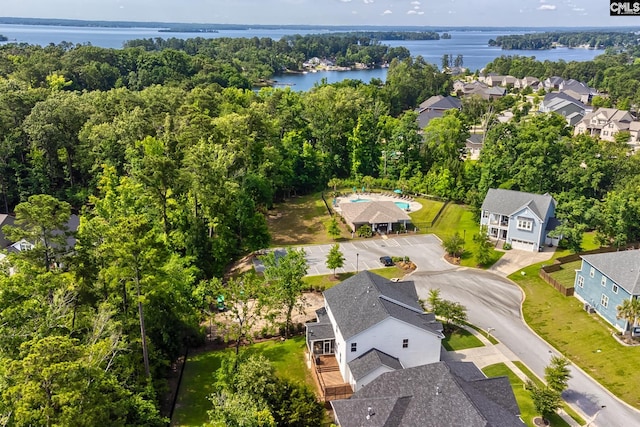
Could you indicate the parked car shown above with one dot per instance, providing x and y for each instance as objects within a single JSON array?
[{"x": 386, "y": 261}]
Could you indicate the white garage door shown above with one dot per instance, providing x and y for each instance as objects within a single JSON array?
[{"x": 523, "y": 245}]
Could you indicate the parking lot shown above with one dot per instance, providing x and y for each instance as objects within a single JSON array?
[{"x": 424, "y": 250}]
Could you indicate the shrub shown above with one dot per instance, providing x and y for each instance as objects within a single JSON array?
[
  {"x": 365, "y": 231},
  {"x": 506, "y": 246}
]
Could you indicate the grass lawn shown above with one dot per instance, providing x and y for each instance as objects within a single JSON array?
[
  {"x": 460, "y": 339},
  {"x": 302, "y": 220},
  {"x": 191, "y": 410},
  {"x": 327, "y": 281},
  {"x": 458, "y": 218},
  {"x": 426, "y": 214},
  {"x": 566, "y": 276},
  {"x": 583, "y": 338},
  {"x": 527, "y": 409}
]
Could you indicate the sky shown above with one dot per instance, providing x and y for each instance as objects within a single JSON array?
[{"x": 436, "y": 13}]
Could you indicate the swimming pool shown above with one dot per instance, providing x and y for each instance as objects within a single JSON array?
[
  {"x": 403, "y": 205},
  {"x": 359, "y": 200}
]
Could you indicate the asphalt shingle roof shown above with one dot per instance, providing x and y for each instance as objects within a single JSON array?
[
  {"x": 370, "y": 361},
  {"x": 367, "y": 299},
  {"x": 440, "y": 102},
  {"x": 377, "y": 212},
  {"x": 622, "y": 267},
  {"x": 507, "y": 202},
  {"x": 433, "y": 395}
]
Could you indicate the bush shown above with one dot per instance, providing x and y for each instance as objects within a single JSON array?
[
  {"x": 506, "y": 246},
  {"x": 365, "y": 231}
]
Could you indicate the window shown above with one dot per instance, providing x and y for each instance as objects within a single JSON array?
[
  {"x": 604, "y": 301},
  {"x": 614, "y": 288},
  {"x": 485, "y": 214},
  {"x": 354, "y": 346},
  {"x": 405, "y": 343},
  {"x": 592, "y": 272},
  {"x": 525, "y": 224},
  {"x": 581, "y": 281},
  {"x": 603, "y": 281}
]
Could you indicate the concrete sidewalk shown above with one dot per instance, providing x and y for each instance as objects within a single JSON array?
[{"x": 491, "y": 354}]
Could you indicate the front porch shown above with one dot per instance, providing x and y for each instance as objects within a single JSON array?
[{"x": 328, "y": 379}]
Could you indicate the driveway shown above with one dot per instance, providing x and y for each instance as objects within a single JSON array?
[
  {"x": 513, "y": 260},
  {"x": 494, "y": 302},
  {"x": 423, "y": 249}
]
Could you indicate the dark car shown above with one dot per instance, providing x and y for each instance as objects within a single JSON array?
[{"x": 386, "y": 261}]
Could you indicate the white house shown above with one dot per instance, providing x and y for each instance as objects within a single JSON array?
[
  {"x": 521, "y": 219},
  {"x": 372, "y": 325}
]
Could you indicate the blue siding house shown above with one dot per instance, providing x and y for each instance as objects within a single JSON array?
[
  {"x": 518, "y": 218},
  {"x": 605, "y": 280}
]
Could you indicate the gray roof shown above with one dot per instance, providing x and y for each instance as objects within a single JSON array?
[
  {"x": 436, "y": 395},
  {"x": 424, "y": 117},
  {"x": 475, "y": 138},
  {"x": 377, "y": 212},
  {"x": 322, "y": 329},
  {"x": 440, "y": 102},
  {"x": 622, "y": 267},
  {"x": 367, "y": 299},
  {"x": 5, "y": 220},
  {"x": 370, "y": 361},
  {"x": 508, "y": 202}
]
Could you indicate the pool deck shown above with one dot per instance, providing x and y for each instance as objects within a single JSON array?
[{"x": 378, "y": 197}]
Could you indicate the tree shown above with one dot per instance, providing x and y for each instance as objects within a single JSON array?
[
  {"x": 557, "y": 374},
  {"x": 434, "y": 300},
  {"x": 244, "y": 298},
  {"x": 483, "y": 247},
  {"x": 284, "y": 274},
  {"x": 453, "y": 244},
  {"x": 454, "y": 313},
  {"x": 42, "y": 221},
  {"x": 629, "y": 310},
  {"x": 334, "y": 228},
  {"x": 335, "y": 258},
  {"x": 545, "y": 399}
]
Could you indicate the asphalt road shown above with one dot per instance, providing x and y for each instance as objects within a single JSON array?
[{"x": 492, "y": 302}]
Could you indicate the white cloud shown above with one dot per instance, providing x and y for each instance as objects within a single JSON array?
[
  {"x": 416, "y": 7},
  {"x": 547, "y": 7},
  {"x": 387, "y": 12},
  {"x": 412, "y": 12},
  {"x": 345, "y": 1},
  {"x": 417, "y": 3},
  {"x": 578, "y": 9},
  {"x": 368, "y": 1}
]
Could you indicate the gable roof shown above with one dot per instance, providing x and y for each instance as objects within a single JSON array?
[
  {"x": 622, "y": 267},
  {"x": 508, "y": 202},
  {"x": 435, "y": 395},
  {"x": 376, "y": 212},
  {"x": 367, "y": 299},
  {"x": 370, "y": 361},
  {"x": 440, "y": 102}
]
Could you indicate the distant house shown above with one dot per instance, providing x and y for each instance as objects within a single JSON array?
[
  {"x": 473, "y": 145},
  {"x": 578, "y": 90},
  {"x": 442, "y": 394},
  {"x": 605, "y": 123},
  {"x": 369, "y": 326},
  {"x": 382, "y": 216},
  {"x": 605, "y": 280},
  {"x": 518, "y": 218},
  {"x": 435, "y": 107},
  {"x": 552, "y": 83},
  {"x": 479, "y": 89},
  {"x": 560, "y": 103},
  {"x": 525, "y": 82}
]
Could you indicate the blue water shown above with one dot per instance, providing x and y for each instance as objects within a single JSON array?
[
  {"x": 359, "y": 200},
  {"x": 402, "y": 205},
  {"x": 472, "y": 45}
]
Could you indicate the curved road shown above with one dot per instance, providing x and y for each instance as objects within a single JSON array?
[{"x": 493, "y": 301}]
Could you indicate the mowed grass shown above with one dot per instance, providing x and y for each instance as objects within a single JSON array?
[
  {"x": 527, "y": 409},
  {"x": 567, "y": 274},
  {"x": 327, "y": 281},
  {"x": 459, "y": 218},
  {"x": 302, "y": 220},
  {"x": 583, "y": 338},
  {"x": 460, "y": 339},
  {"x": 199, "y": 374},
  {"x": 426, "y": 214}
]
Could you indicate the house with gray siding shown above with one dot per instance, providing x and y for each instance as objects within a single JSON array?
[
  {"x": 521, "y": 219},
  {"x": 605, "y": 280},
  {"x": 442, "y": 394}
]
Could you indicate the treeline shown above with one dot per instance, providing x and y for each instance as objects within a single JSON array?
[
  {"x": 392, "y": 35},
  {"x": 548, "y": 40}
]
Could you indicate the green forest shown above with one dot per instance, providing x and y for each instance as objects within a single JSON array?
[
  {"x": 171, "y": 160},
  {"x": 548, "y": 40}
]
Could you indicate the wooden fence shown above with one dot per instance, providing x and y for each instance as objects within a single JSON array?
[{"x": 567, "y": 292}]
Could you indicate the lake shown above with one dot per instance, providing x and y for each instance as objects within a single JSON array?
[{"x": 471, "y": 44}]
